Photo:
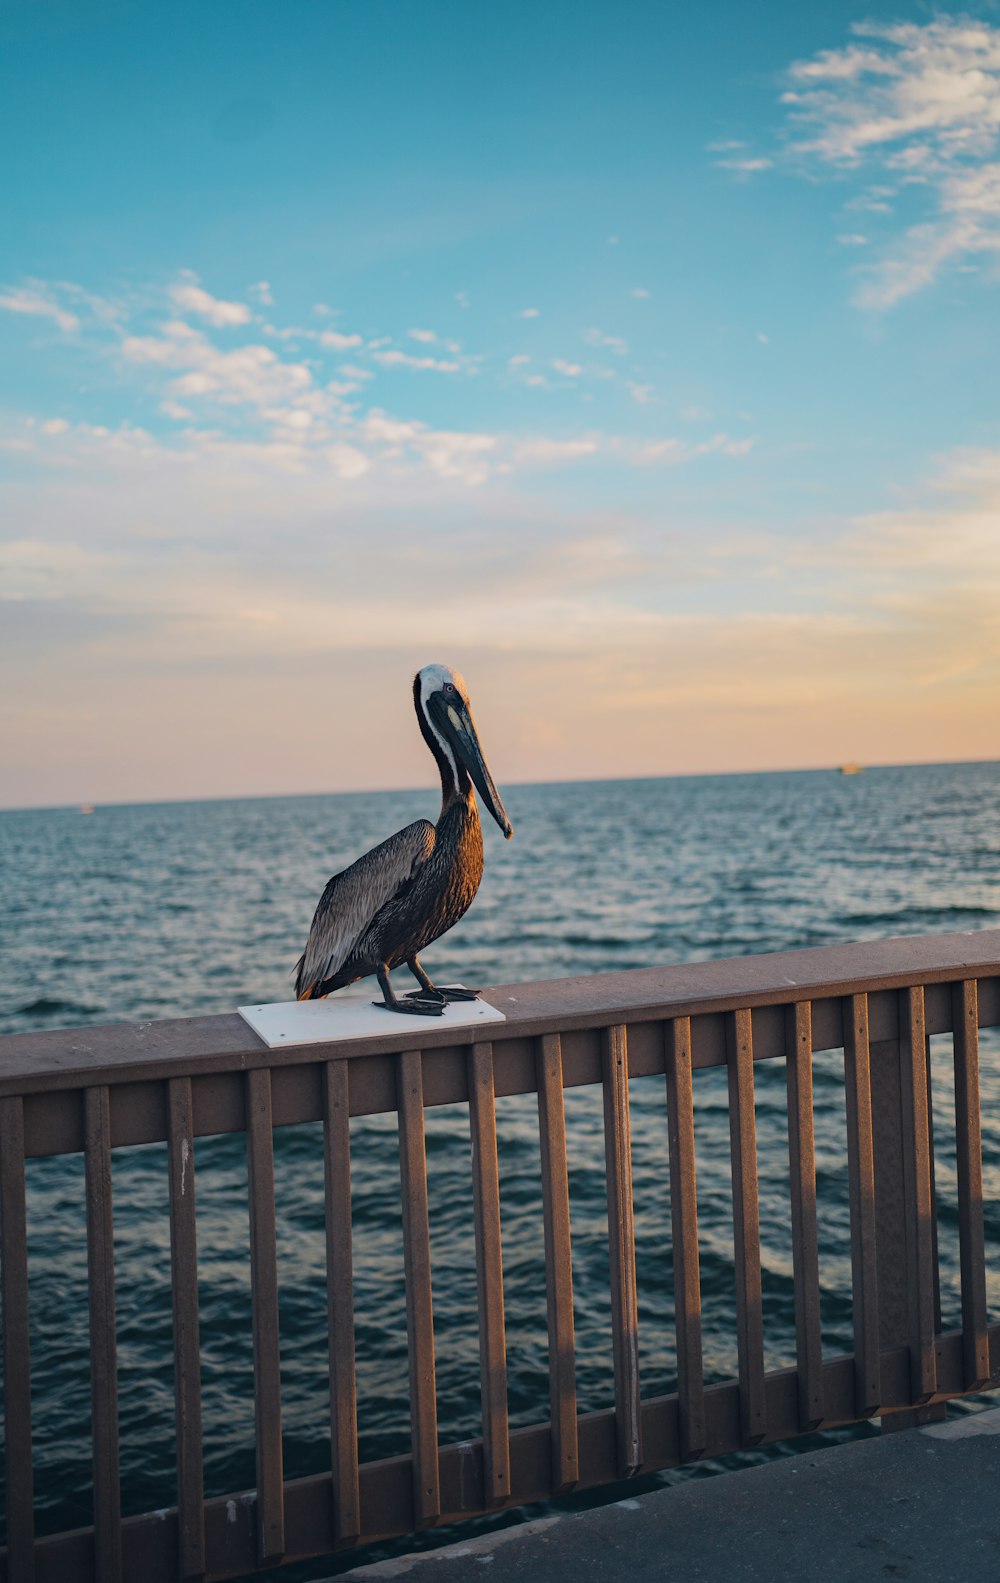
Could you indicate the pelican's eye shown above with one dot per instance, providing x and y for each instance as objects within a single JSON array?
[{"x": 448, "y": 687}]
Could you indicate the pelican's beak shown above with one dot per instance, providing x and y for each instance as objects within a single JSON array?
[{"x": 456, "y": 719}]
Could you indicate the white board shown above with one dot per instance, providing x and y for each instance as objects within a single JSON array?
[{"x": 288, "y": 1022}]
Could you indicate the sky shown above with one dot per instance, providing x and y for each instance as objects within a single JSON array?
[{"x": 641, "y": 362}]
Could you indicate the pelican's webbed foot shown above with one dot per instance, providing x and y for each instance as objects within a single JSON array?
[
  {"x": 440, "y": 996},
  {"x": 421, "y": 1008},
  {"x": 416, "y": 1008},
  {"x": 430, "y": 993}
]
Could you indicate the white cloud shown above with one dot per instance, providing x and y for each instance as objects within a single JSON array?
[
  {"x": 746, "y": 166},
  {"x": 462, "y": 456},
  {"x": 462, "y": 298},
  {"x": 950, "y": 530},
  {"x": 639, "y": 291},
  {"x": 853, "y": 239},
  {"x": 641, "y": 394},
  {"x": 261, "y": 410},
  {"x": 667, "y": 450},
  {"x": 916, "y": 79},
  {"x": 449, "y": 454},
  {"x": 427, "y": 336},
  {"x": 289, "y": 417},
  {"x": 337, "y": 341},
  {"x": 35, "y": 303},
  {"x": 392, "y": 358},
  {"x": 289, "y": 332},
  {"x": 735, "y": 159},
  {"x": 261, "y": 292},
  {"x": 919, "y": 104},
  {"x": 382, "y": 429},
  {"x": 251, "y": 376},
  {"x": 191, "y": 298},
  {"x": 348, "y": 461},
  {"x": 529, "y": 313},
  {"x": 308, "y": 436},
  {"x": 171, "y": 349},
  {"x": 613, "y": 343},
  {"x": 467, "y": 457},
  {"x": 671, "y": 451}
]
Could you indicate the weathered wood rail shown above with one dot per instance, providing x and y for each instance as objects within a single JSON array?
[{"x": 93, "y": 1090}]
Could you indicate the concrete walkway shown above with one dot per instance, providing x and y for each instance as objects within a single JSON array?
[{"x": 923, "y": 1504}]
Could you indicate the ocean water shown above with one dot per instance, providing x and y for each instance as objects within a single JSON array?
[{"x": 173, "y": 909}]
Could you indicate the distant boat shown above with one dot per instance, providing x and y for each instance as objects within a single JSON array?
[
  {"x": 86, "y": 807},
  {"x": 851, "y": 769}
]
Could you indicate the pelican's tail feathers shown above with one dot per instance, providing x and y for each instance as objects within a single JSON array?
[{"x": 300, "y": 992}]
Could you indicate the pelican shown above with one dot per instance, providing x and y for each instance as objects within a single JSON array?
[{"x": 389, "y": 905}]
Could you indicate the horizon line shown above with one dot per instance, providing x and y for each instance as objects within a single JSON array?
[{"x": 579, "y": 780}]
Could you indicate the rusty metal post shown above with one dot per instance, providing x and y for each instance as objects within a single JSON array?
[{"x": 903, "y": 1209}]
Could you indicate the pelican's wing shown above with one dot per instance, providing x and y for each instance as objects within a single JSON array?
[{"x": 352, "y": 898}]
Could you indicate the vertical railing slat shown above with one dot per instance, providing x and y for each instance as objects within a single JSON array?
[
  {"x": 489, "y": 1276},
  {"x": 805, "y": 1246},
  {"x": 969, "y": 1151},
  {"x": 187, "y": 1348},
  {"x": 103, "y": 1346},
  {"x": 917, "y": 1189},
  {"x": 16, "y": 1346},
  {"x": 621, "y": 1243},
  {"x": 935, "y": 1260},
  {"x": 746, "y": 1225},
  {"x": 340, "y": 1304},
  {"x": 419, "y": 1301},
  {"x": 861, "y": 1179},
  {"x": 684, "y": 1223},
  {"x": 264, "y": 1302},
  {"x": 558, "y": 1263}
]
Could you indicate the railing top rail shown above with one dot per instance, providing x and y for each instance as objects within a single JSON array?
[{"x": 144, "y": 1051}]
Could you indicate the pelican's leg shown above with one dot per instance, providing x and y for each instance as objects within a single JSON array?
[
  {"x": 430, "y": 992},
  {"x": 426, "y": 1008}
]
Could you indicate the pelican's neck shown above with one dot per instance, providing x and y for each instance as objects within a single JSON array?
[{"x": 456, "y": 786}]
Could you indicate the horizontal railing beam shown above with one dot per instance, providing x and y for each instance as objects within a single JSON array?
[
  {"x": 129, "y": 1052},
  {"x": 52, "y": 1119}
]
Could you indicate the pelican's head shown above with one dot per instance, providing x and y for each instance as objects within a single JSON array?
[{"x": 442, "y": 701}]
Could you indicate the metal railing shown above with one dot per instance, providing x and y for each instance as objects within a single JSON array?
[{"x": 92, "y": 1090}]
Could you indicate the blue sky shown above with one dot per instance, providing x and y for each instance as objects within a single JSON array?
[{"x": 640, "y": 360}]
